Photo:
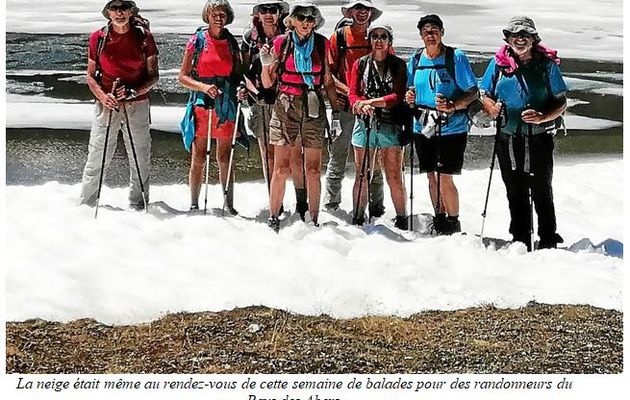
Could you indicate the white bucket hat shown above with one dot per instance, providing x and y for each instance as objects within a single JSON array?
[
  {"x": 216, "y": 3},
  {"x": 385, "y": 27},
  {"x": 345, "y": 10},
  {"x": 319, "y": 20},
  {"x": 284, "y": 6}
]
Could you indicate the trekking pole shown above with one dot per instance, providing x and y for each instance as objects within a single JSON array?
[
  {"x": 530, "y": 182},
  {"x": 411, "y": 185},
  {"x": 364, "y": 161},
  {"x": 109, "y": 125},
  {"x": 499, "y": 123},
  {"x": 229, "y": 171},
  {"x": 266, "y": 144},
  {"x": 438, "y": 165},
  {"x": 135, "y": 158},
  {"x": 208, "y": 149}
]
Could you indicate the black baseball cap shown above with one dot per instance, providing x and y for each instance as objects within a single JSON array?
[{"x": 430, "y": 19}]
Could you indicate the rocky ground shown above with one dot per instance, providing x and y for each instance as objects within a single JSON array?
[{"x": 538, "y": 338}]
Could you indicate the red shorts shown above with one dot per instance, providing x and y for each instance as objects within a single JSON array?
[{"x": 225, "y": 131}]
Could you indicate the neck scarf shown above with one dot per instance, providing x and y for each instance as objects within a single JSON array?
[
  {"x": 302, "y": 56},
  {"x": 504, "y": 58}
]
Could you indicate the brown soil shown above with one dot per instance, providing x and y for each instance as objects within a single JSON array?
[{"x": 534, "y": 339}]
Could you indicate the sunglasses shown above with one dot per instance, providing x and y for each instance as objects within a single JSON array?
[
  {"x": 307, "y": 18},
  {"x": 360, "y": 7},
  {"x": 267, "y": 10},
  {"x": 382, "y": 37},
  {"x": 521, "y": 35},
  {"x": 121, "y": 7}
]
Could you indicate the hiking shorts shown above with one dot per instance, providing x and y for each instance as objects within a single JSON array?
[
  {"x": 290, "y": 118},
  {"x": 385, "y": 136},
  {"x": 451, "y": 152}
]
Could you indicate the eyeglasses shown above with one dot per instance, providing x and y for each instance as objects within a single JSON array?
[
  {"x": 121, "y": 7},
  {"x": 267, "y": 9},
  {"x": 382, "y": 37},
  {"x": 307, "y": 18}
]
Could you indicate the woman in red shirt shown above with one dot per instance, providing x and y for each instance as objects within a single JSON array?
[
  {"x": 377, "y": 86},
  {"x": 214, "y": 73}
]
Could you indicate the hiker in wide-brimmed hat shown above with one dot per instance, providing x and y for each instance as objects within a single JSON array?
[
  {"x": 297, "y": 62},
  {"x": 442, "y": 86},
  {"x": 267, "y": 23},
  {"x": 122, "y": 68},
  {"x": 347, "y": 44},
  {"x": 525, "y": 80},
  {"x": 377, "y": 87},
  {"x": 212, "y": 69}
]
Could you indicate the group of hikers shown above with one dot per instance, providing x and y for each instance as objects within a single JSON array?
[{"x": 284, "y": 69}]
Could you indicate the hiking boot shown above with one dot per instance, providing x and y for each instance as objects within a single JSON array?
[
  {"x": 525, "y": 238},
  {"x": 274, "y": 224},
  {"x": 402, "y": 222},
  {"x": 137, "y": 206},
  {"x": 194, "y": 207},
  {"x": 301, "y": 206},
  {"x": 439, "y": 222},
  {"x": 358, "y": 221},
  {"x": 451, "y": 225},
  {"x": 232, "y": 211},
  {"x": 550, "y": 242},
  {"x": 377, "y": 210}
]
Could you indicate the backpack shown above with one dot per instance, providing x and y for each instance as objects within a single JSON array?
[
  {"x": 342, "y": 44},
  {"x": 140, "y": 26}
]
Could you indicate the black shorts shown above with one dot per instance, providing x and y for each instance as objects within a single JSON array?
[{"x": 451, "y": 151}]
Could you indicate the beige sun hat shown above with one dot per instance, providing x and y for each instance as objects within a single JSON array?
[
  {"x": 345, "y": 10},
  {"x": 522, "y": 23},
  {"x": 110, "y": 3},
  {"x": 284, "y": 6},
  {"x": 301, "y": 4},
  {"x": 217, "y": 3}
]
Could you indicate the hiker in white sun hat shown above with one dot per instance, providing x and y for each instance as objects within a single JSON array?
[{"x": 298, "y": 63}]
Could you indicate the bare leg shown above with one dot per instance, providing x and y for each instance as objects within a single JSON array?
[
  {"x": 278, "y": 178},
  {"x": 313, "y": 161},
  {"x": 197, "y": 163},
  {"x": 392, "y": 161},
  {"x": 450, "y": 196}
]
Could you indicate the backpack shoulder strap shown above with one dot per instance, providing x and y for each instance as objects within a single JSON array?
[
  {"x": 200, "y": 43},
  {"x": 320, "y": 46},
  {"x": 449, "y": 62},
  {"x": 416, "y": 58},
  {"x": 342, "y": 45}
]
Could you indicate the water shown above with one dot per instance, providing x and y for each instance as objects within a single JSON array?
[{"x": 50, "y": 68}]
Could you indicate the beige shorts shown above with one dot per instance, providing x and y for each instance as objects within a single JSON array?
[{"x": 290, "y": 119}]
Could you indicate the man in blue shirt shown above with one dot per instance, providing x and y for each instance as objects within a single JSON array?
[{"x": 441, "y": 86}]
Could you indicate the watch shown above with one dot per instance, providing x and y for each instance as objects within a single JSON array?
[{"x": 131, "y": 94}]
